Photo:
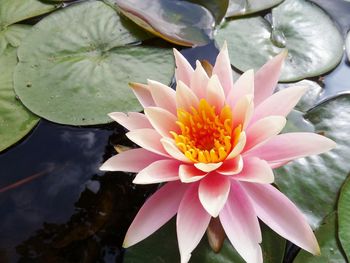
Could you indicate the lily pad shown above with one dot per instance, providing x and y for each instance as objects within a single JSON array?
[
  {"x": 75, "y": 66},
  {"x": 180, "y": 22},
  {"x": 217, "y": 7},
  {"x": 314, "y": 43},
  {"x": 313, "y": 183},
  {"x": 343, "y": 217},
  {"x": 15, "y": 120},
  {"x": 162, "y": 247},
  {"x": 245, "y": 7},
  {"x": 12, "y": 35},
  {"x": 347, "y": 44},
  {"x": 326, "y": 236},
  {"x": 13, "y": 11}
]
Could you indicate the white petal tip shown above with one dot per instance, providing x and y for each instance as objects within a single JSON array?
[{"x": 185, "y": 258}]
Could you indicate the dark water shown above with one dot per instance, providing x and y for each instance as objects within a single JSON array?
[{"x": 69, "y": 211}]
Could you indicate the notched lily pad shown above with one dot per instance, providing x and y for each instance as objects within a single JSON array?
[
  {"x": 12, "y": 35},
  {"x": 15, "y": 120},
  {"x": 313, "y": 183},
  {"x": 245, "y": 7},
  {"x": 75, "y": 66},
  {"x": 217, "y": 7},
  {"x": 326, "y": 236},
  {"x": 314, "y": 43},
  {"x": 162, "y": 247},
  {"x": 343, "y": 217},
  {"x": 180, "y": 22}
]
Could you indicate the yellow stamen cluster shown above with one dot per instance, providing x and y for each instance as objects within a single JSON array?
[{"x": 206, "y": 136}]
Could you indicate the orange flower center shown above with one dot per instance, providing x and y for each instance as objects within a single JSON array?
[{"x": 206, "y": 136}]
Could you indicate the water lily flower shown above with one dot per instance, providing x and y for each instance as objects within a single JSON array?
[{"x": 215, "y": 143}]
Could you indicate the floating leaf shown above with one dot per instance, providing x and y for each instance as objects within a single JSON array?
[
  {"x": 180, "y": 22},
  {"x": 15, "y": 120},
  {"x": 326, "y": 236},
  {"x": 162, "y": 247},
  {"x": 217, "y": 7},
  {"x": 13, "y": 11},
  {"x": 347, "y": 44},
  {"x": 313, "y": 183},
  {"x": 75, "y": 66},
  {"x": 343, "y": 217},
  {"x": 245, "y": 7},
  {"x": 12, "y": 35},
  {"x": 314, "y": 43}
]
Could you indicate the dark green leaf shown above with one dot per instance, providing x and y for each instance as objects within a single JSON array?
[
  {"x": 344, "y": 216},
  {"x": 76, "y": 65}
]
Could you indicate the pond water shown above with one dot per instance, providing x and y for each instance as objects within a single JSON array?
[{"x": 56, "y": 206}]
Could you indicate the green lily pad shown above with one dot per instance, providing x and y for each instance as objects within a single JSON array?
[
  {"x": 347, "y": 44},
  {"x": 217, "y": 7},
  {"x": 12, "y": 35},
  {"x": 343, "y": 217},
  {"x": 245, "y": 7},
  {"x": 326, "y": 236},
  {"x": 313, "y": 183},
  {"x": 75, "y": 66},
  {"x": 15, "y": 120},
  {"x": 13, "y": 11},
  {"x": 314, "y": 43},
  {"x": 180, "y": 22},
  {"x": 162, "y": 247}
]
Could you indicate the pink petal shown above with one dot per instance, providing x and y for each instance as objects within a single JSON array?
[
  {"x": 222, "y": 69},
  {"x": 241, "y": 225},
  {"x": 191, "y": 223},
  {"x": 131, "y": 121},
  {"x": 263, "y": 130},
  {"x": 183, "y": 70},
  {"x": 199, "y": 81},
  {"x": 162, "y": 121},
  {"x": 207, "y": 167},
  {"x": 163, "y": 96},
  {"x": 148, "y": 139},
  {"x": 213, "y": 192},
  {"x": 289, "y": 146},
  {"x": 255, "y": 170},
  {"x": 242, "y": 87},
  {"x": 185, "y": 97},
  {"x": 280, "y": 103},
  {"x": 143, "y": 94},
  {"x": 238, "y": 147},
  {"x": 172, "y": 150},
  {"x": 280, "y": 214},
  {"x": 215, "y": 93},
  {"x": 243, "y": 111},
  {"x": 231, "y": 166},
  {"x": 159, "y": 172},
  {"x": 130, "y": 161},
  {"x": 190, "y": 174},
  {"x": 267, "y": 76},
  {"x": 156, "y": 211}
]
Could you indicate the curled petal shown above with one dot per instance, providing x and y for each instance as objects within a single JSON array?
[
  {"x": 267, "y": 76},
  {"x": 156, "y": 211},
  {"x": 159, "y": 172},
  {"x": 222, "y": 69},
  {"x": 243, "y": 111},
  {"x": 190, "y": 174},
  {"x": 263, "y": 130},
  {"x": 131, "y": 121},
  {"x": 255, "y": 170},
  {"x": 162, "y": 121},
  {"x": 290, "y": 146},
  {"x": 215, "y": 93},
  {"x": 241, "y": 225},
  {"x": 148, "y": 139},
  {"x": 242, "y": 87},
  {"x": 199, "y": 80},
  {"x": 143, "y": 94},
  {"x": 163, "y": 96},
  {"x": 131, "y": 161},
  {"x": 213, "y": 192},
  {"x": 191, "y": 223},
  {"x": 273, "y": 106},
  {"x": 172, "y": 150},
  {"x": 185, "y": 97},
  {"x": 280, "y": 214},
  {"x": 183, "y": 70},
  {"x": 238, "y": 147},
  {"x": 231, "y": 166}
]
